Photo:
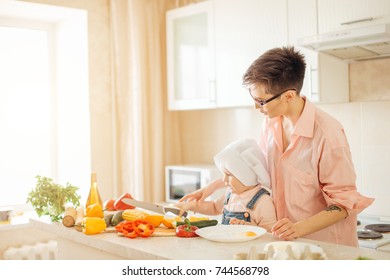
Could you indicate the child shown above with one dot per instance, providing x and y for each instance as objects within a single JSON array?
[{"x": 247, "y": 199}]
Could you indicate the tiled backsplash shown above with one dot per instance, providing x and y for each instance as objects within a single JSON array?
[
  {"x": 366, "y": 120},
  {"x": 369, "y": 80}
]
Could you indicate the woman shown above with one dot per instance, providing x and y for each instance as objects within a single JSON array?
[{"x": 310, "y": 164}]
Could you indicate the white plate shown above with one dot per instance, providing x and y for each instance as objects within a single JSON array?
[
  {"x": 230, "y": 233},
  {"x": 297, "y": 248}
]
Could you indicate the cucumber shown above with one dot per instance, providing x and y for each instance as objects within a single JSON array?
[
  {"x": 107, "y": 219},
  {"x": 200, "y": 224},
  {"x": 117, "y": 218}
]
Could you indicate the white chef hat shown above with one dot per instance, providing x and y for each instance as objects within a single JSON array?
[{"x": 245, "y": 161}]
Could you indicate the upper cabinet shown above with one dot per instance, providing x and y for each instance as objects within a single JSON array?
[
  {"x": 335, "y": 15},
  {"x": 244, "y": 29},
  {"x": 326, "y": 77},
  {"x": 211, "y": 44},
  {"x": 190, "y": 57}
]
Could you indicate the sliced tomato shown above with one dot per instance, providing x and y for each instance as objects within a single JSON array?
[{"x": 143, "y": 228}]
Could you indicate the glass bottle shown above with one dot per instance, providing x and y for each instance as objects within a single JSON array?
[{"x": 93, "y": 196}]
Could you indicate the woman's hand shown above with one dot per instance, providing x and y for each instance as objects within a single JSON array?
[
  {"x": 203, "y": 193},
  {"x": 194, "y": 196},
  {"x": 285, "y": 229}
]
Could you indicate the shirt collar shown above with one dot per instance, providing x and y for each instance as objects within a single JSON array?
[{"x": 305, "y": 124}]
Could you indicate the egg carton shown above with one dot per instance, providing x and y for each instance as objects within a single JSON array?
[{"x": 286, "y": 252}]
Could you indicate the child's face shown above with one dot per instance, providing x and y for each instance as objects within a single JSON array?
[{"x": 234, "y": 183}]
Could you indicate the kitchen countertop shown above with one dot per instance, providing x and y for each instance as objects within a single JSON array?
[
  {"x": 174, "y": 248},
  {"x": 17, "y": 222}
]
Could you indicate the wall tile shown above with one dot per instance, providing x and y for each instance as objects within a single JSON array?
[{"x": 369, "y": 80}]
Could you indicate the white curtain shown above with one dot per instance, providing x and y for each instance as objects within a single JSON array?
[
  {"x": 142, "y": 125},
  {"x": 145, "y": 135}
]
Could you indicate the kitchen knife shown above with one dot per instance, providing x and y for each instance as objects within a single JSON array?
[{"x": 152, "y": 207}]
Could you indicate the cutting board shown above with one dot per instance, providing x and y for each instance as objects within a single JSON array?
[
  {"x": 110, "y": 229},
  {"x": 163, "y": 232},
  {"x": 158, "y": 232}
]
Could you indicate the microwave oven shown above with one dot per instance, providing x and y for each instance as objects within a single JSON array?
[{"x": 184, "y": 179}]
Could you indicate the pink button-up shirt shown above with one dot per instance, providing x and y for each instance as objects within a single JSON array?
[{"x": 315, "y": 171}]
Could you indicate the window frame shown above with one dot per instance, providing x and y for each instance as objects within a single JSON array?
[{"x": 69, "y": 86}]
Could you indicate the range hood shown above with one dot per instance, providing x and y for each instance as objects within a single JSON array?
[{"x": 370, "y": 42}]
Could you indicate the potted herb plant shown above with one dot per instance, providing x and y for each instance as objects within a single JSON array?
[{"x": 49, "y": 198}]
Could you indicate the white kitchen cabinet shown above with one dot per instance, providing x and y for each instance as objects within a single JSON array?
[
  {"x": 244, "y": 29},
  {"x": 326, "y": 77},
  {"x": 190, "y": 57},
  {"x": 336, "y": 15},
  {"x": 211, "y": 44}
]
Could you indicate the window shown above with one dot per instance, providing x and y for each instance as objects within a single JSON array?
[
  {"x": 44, "y": 103},
  {"x": 25, "y": 116}
]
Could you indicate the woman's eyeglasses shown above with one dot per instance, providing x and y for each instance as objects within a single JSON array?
[{"x": 262, "y": 102}]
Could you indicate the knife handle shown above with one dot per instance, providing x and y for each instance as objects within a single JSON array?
[{"x": 174, "y": 211}]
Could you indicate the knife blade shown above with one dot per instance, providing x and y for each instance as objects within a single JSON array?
[{"x": 152, "y": 207}]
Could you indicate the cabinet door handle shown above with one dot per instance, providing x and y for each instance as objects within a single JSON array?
[
  {"x": 357, "y": 21},
  {"x": 313, "y": 83}
]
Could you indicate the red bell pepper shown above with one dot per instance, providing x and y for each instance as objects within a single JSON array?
[
  {"x": 127, "y": 229},
  {"x": 120, "y": 205},
  {"x": 143, "y": 228},
  {"x": 186, "y": 230}
]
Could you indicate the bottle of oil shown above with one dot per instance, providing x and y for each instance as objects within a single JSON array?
[{"x": 93, "y": 196}]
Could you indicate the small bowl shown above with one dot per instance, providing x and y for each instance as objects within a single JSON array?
[{"x": 5, "y": 214}]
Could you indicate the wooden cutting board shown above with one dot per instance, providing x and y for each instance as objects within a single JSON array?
[
  {"x": 158, "y": 232},
  {"x": 110, "y": 229},
  {"x": 163, "y": 232}
]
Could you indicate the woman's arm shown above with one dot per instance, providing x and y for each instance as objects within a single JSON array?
[
  {"x": 203, "y": 193},
  {"x": 287, "y": 230},
  {"x": 203, "y": 207}
]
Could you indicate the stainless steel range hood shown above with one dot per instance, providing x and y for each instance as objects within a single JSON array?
[{"x": 363, "y": 43}]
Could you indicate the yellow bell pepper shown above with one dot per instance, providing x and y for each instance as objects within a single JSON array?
[
  {"x": 94, "y": 210},
  {"x": 93, "y": 225}
]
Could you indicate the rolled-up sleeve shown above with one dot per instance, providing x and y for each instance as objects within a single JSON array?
[{"x": 338, "y": 180}]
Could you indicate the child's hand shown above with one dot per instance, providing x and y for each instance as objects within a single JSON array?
[
  {"x": 186, "y": 206},
  {"x": 235, "y": 221}
]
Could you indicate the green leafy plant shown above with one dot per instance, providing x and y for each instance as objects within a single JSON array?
[{"x": 48, "y": 198}]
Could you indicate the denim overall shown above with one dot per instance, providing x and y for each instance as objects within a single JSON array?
[{"x": 227, "y": 215}]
